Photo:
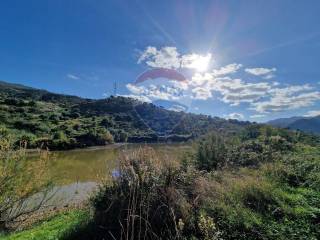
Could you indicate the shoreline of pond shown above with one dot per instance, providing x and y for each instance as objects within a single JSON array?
[{"x": 108, "y": 146}]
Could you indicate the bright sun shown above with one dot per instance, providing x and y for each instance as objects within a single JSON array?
[{"x": 201, "y": 63}]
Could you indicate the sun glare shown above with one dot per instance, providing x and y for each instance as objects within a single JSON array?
[{"x": 200, "y": 63}]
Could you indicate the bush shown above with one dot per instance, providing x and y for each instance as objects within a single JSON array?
[
  {"x": 20, "y": 179},
  {"x": 26, "y": 139},
  {"x": 61, "y": 141},
  {"x": 103, "y": 136},
  {"x": 149, "y": 199},
  {"x": 120, "y": 136},
  {"x": 299, "y": 170},
  {"x": 95, "y": 137},
  {"x": 31, "y": 126},
  {"x": 211, "y": 153}
]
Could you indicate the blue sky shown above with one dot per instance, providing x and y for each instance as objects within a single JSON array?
[{"x": 252, "y": 60}]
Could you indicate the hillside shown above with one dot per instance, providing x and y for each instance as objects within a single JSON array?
[
  {"x": 58, "y": 121},
  {"x": 306, "y": 124}
]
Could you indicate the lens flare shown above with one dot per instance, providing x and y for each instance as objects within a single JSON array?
[{"x": 198, "y": 62}]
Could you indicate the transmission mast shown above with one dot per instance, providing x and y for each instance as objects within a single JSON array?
[{"x": 115, "y": 88}]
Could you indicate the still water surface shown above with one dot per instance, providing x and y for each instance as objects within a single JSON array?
[
  {"x": 77, "y": 173},
  {"x": 95, "y": 164}
]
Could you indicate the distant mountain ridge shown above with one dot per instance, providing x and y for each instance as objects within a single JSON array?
[{"x": 306, "y": 124}]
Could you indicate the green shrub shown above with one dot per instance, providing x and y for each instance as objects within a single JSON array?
[{"x": 211, "y": 153}]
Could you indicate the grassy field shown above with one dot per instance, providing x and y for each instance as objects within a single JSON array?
[{"x": 57, "y": 227}]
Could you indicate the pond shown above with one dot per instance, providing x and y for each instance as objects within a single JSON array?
[{"x": 76, "y": 173}]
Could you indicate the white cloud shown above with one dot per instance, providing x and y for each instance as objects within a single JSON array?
[
  {"x": 228, "y": 69},
  {"x": 238, "y": 116},
  {"x": 153, "y": 92},
  {"x": 284, "y": 99},
  {"x": 290, "y": 90},
  {"x": 72, "y": 76},
  {"x": 166, "y": 57},
  {"x": 135, "y": 89},
  {"x": 177, "y": 108},
  {"x": 312, "y": 113},
  {"x": 147, "y": 53},
  {"x": 236, "y": 91},
  {"x": 233, "y": 91},
  {"x": 266, "y": 73},
  {"x": 169, "y": 57},
  {"x": 199, "y": 79},
  {"x": 201, "y": 93},
  {"x": 263, "y": 97},
  {"x": 260, "y": 71}
]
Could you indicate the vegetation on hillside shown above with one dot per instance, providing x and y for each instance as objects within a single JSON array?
[{"x": 58, "y": 121}]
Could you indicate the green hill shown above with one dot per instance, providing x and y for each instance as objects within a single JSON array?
[{"x": 59, "y": 121}]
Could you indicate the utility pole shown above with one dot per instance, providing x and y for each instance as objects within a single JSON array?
[{"x": 115, "y": 88}]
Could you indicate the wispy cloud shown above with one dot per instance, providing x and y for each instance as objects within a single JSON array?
[
  {"x": 177, "y": 108},
  {"x": 232, "y": 91},
  {"x": 266, "y": 73},
  {"x": 312, "y": 113},
  {"x": 228, "y": 69},
  {"x": 236, "y": 91},
  {"x": 286, "y": 44},
  {"x": 201, "y": 93},
  {"x": 287, "y": 98},
  {"x": 72, "y": 76}
]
